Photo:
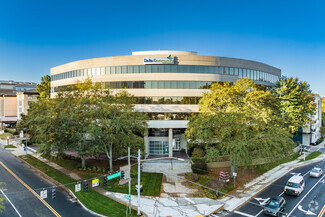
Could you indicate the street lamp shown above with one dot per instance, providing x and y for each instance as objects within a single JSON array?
[{"x": 25, "y": 148}]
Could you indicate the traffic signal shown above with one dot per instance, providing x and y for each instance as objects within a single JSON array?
[
  {"x": 85, "y": 186},
  {"x": 53, "y": 193},
  {"x": 105, "y": 181},
  {"x": 122, "y": 175}
]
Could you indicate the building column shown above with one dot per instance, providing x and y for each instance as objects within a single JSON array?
[
  {"x": 170, "y": 142},
  {"x": 146, "y": 142}
]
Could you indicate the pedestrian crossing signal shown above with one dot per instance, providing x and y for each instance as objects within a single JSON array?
[{"x": 53, "y": 193}]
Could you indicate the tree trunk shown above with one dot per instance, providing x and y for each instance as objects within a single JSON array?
[
  {"x": 109, "y": 156},
  {"x": 232, "y": 168},
  {"x": 83, "y": 162}
]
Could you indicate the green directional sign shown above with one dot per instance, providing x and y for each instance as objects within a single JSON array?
[{"x": 115, "y": 175}]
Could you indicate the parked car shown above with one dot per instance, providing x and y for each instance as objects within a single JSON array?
[
  {"x": 275, "y": 206},
  {"x": 295, "y": 185},
  {"x": 316, "y": 172}
]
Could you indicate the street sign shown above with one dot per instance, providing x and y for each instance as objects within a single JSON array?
[
  {"x": 77, "y": 187},
  {"x": 234, "y": 174},
  {"x": 43, "y": 194},
  {"x": 95, "y": 182},
  {"x": 115, "y": 175},
  {"x": 128, "y": 196},
  {"x": 224, "y": 176}
]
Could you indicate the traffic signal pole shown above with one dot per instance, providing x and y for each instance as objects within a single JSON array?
[
  {"x": 139, "y": 168},
  {"x": 129, "y": 162}
]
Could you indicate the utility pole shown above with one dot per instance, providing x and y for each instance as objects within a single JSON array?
[
  {"x": 139, "y": 187},
  {"x": 129, "y": 162}
]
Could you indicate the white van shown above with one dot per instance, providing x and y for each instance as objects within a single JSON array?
[{"x": 295, "y": 185}]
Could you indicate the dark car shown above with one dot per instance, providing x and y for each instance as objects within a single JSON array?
[{"x": 275, "y": 206}]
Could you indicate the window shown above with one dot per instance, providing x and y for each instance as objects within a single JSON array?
[
  {"x": 148, "y": 68},
  {"x": 124, "y": 69}
]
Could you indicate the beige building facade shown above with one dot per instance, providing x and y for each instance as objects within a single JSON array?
[
  {"x": 167, "y": 85},
  {"x": 24, "y": 99},
  {"x": 8, "y": 109}
]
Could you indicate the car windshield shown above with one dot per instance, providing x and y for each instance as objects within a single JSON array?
[
  {"x": 291, "y": 184},
  {"x": 273, "y": 204},
  {"x": 315, "y": 170}
]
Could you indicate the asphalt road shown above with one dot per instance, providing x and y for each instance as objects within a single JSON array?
[
  {"x": 22, "y": 186},
  {"x": 309, "y": 203}
]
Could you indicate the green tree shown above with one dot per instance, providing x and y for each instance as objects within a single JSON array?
[
  {"x": 118, "y": 126},
  {"x": 87, "y": 119},
  {"x": 239, "y": 120},
  {"x": 296, "y": 102},
  {"x": 44, "y": 88}
]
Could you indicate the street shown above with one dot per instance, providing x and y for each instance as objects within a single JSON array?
[
  {"x": 22, "y": 185},
  {"x": 309, "y": 203}
]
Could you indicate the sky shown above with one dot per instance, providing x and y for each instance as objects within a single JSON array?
[{"x": 38, "y": 35}]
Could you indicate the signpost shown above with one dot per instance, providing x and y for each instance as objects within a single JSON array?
[
  {"x": 224, "y": 176},
  {"x": 234, "y": 174},
  {"x": 95, "y": 183},
  {"x": 77, "y": 187},
  {"x": 43, "y": 194}
]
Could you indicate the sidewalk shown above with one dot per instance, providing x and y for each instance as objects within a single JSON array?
[{"x": 184, "y": 206}]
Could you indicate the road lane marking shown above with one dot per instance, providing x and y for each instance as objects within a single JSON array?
[
  {"x": 321, "y": 212},
  {"x": 283, "y": 193},
  {"x": 244, "y": 214},
  {"x": 259, "y": 213},
  {"x": 11, "y": 203},
  {"x": 31, "y": 190},
  {"x": 305, "y": 196}
]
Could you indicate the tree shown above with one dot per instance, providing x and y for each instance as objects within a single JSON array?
[
  {"x": 239, "y": 120},
  {"x": 87, "y": 119},
  {"x": 118, "y": 126},
  {"x": 44, "y": 88},
  {"x": 296, "y": 102}
]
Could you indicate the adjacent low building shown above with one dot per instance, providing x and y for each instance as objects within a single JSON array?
[
  {"x": 310, "y": 133},
  {"x": 167, "y": 85},
  {"x": 8, "y": 100},
  {"x": 24, "y": 99}
]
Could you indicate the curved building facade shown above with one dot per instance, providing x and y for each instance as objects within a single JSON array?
[{"x": 166, "y": 84}]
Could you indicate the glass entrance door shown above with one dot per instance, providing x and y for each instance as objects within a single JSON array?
[
  {"x": 158, "y": 147},
  {"x": 176, "y": 144}
]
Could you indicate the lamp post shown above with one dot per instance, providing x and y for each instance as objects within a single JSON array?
[{"x": 25, "y": 148}]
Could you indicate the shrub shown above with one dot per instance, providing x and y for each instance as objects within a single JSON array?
[
  {"x": 200, "y": 166},
  {"x": 197, "y": 154},
  {"x": 94, "y": 169},
  {"x": 210, "y": 194}
]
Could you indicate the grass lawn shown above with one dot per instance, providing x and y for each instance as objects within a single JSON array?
[
  {"x": 4, "y": 135},
  {"x": 91, "y": 199},
  {"x": 65, "y": 163},
  {"x": 10, "y": 146},
  {"x": 151, "y": 182},
  {"x": 312, "y": 155}
]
